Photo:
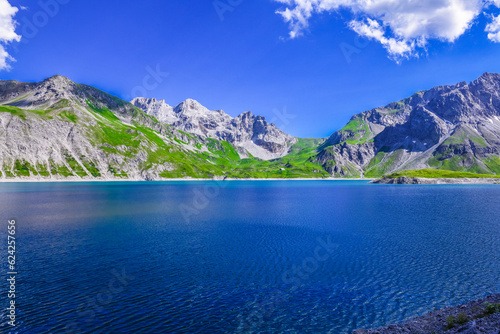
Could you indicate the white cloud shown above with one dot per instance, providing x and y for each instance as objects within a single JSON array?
[
  {"x": 372, "y": 29},
  {"x": 401, "y": 26},
  {"x": 493, "y": 29},
  {"x": 7, "y": 31}
]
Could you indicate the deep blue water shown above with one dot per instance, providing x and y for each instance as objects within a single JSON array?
[{"x": 229, "y": 257}]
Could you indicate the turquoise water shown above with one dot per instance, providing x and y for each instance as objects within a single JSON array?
[{"x": 243, "y": 257}]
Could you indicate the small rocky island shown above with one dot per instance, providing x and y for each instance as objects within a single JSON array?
[
  {"x": 433, "y": 176},
  {"x": 480, "y": 316}
]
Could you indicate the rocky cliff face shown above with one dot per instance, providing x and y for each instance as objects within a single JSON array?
[
  {"x": 251, "y": 135},
  {"x": 449, "y": 127}
]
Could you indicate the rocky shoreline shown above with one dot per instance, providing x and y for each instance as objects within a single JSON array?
[
  {"x": 480, "y": 316},
  {"x": 421, "y": 180}
]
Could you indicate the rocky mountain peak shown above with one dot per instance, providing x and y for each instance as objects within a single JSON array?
[
  {"x": 57, "y": 83},
  {"x": 487, "y": 81},
  {"x": 245, "y": 114},
  {"x": 38, "y": 95},
  {"x": 57, "y": 79},
  {"x": 489, "y": 76},
  {"x": 150, "y": 101},
  {"x": 248, "y": 133},
  {"x": 157, "y": 108},
  {"x": 190, "y": 106}
]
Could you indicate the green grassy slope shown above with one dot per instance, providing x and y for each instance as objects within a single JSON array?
[
  {"x": 183, "y": 154},
  {"x": 436, "y": 173},
  {"x": 297, "y": 164}
]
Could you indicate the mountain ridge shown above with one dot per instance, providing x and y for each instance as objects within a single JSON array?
[
  {"x": 58, "y": 129},
  {"x": 459, "y": 120},
  {"x": 251, "y": 135}
]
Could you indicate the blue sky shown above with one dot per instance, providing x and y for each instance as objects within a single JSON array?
[{"x": 245, "y": 61}]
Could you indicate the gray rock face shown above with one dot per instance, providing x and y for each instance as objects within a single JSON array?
[
  {"x": 59, "y": 92},
  {"x": 60, "y": 138},
  {"x": 250, "y": 134},
  {"x": 453, "y": 127}
]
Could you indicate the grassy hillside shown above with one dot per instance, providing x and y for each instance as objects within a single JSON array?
[
  {"x": 435, "y": 173},
  {"x": 297, "y": 164},
  {"x": 145, "y": 142}
]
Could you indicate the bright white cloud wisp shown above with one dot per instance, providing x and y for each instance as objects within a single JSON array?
[
  {"x": 493, "y": 29},
  {"x": 7, "y": 31},
  {"x": 401, "y": 26}
]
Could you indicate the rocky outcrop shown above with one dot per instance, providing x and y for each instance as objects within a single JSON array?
[{"x": 251, "y": 135}]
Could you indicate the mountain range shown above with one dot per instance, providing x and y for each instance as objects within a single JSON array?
[
  {"x": 448, "y": 127},
  {"x": 58, "y": 129},
  {"x": 250, "y": 135}
]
